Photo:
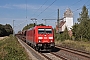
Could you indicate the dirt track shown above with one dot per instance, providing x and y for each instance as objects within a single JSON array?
[{"x": 3, "y": 37}]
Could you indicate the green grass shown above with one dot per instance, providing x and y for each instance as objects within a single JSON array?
[
  {"x": 10, "y": 49},
  {"x": 80, "y": 45}
]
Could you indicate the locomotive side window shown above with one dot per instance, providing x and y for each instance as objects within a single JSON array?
[{"x": 42, "y": 31}]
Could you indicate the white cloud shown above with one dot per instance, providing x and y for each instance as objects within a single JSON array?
[
  {"x": 23, "y": 6},
  {"x": 6, "y": 6}
]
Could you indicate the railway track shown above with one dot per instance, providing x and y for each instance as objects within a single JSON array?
[
  {"x": 51, "y": 56},
  {"x": 34, "y": 55},
  {"x": 73, "y": 54},
  {"x": 37, "y": 55},
  {"x": 60, "y": 53}
]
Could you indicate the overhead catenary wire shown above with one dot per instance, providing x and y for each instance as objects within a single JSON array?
[
  {"x": 76, "y": 2},
  {"x": 81, "y": 7},
  {"x": 40, "y": 7},
  {"x": 26, "y": 9},
  {"x": 87, "y": 2},
  {"x": 25, "y": 16},
  {"x": 46, "y": 8}
]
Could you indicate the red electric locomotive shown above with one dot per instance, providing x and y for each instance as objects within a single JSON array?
[{"x": 41, "y": 37}]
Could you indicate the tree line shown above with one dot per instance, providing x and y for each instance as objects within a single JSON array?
[
  {"x": 28, "y": 26},
  {"x": 5, "y": 30}
]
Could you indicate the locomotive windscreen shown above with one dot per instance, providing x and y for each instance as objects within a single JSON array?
[{"x": 42, "y": 31}]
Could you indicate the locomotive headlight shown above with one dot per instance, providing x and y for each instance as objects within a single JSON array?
[
  {"x": 50, "y": 37},
  {"x": 39, "y": 37},
  {"x": 51, "y": 40},
  {"x": 39, "y": 41}
]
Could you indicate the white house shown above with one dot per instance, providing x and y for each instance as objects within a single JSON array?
[{"x": 67, "y": 21}]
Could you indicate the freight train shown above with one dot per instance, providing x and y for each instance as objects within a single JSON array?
[{"x": 41, "y": 37}]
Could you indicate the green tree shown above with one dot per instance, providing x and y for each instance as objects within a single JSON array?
[
  {"x": 5, "y": 30},
  {"x": 62, "y": 36},
  {"x": 83, "y": 26},
  {"x": 2, "y": 30},
  {"x": 65, "y": 34},
  {"x": 28, "y": 27},
  {"x": 83, "y": 15},
  {"x": 41, "y": 25},
  {"x": 31, "y": 25},
  {"x": 75, "y": 31},
  {"x": 81, "y": 30},
  {"x": 8, "y": 29}
]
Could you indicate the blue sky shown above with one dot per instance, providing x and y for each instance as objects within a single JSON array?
[{"x": 18, "y": 10}]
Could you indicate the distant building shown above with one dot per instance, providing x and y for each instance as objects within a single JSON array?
[
  {"x": 68, "y": 18},
  {"x": 67, "y": 21}
]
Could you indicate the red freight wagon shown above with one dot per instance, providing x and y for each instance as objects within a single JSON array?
[{"x": 41, "y": 37}]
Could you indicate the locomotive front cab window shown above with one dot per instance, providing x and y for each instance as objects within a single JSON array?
[
  {"x": 42, "y": 31},
  {"x": 49, "y": 31}
]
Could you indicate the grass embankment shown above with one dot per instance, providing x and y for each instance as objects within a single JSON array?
[
  {"x": 10, "y": 49},
  {"x": 79, "y": 45}
]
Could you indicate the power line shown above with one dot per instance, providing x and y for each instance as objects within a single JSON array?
[
  {"x": 80, "y": 8},
  {"x": 40, "y": 7},
  {"x": 50, "y": 14},
  {"x": 26, "y": 9},
  {"x": 76, "y": 9},
  {"x": 46, "y": 8},
  {"x": 76, "y": 2},
  {"x": 20, "y": 23},
  {"x": 86, "y": 2}
]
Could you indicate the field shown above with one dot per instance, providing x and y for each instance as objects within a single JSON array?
[
  {"x": 10, "y": 49},
  {"x": 79, "y": 45}
]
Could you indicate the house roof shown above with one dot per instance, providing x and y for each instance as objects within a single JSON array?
[
  {"x": 68, "y": 13},
  {"x": 62, "y": 23}
]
